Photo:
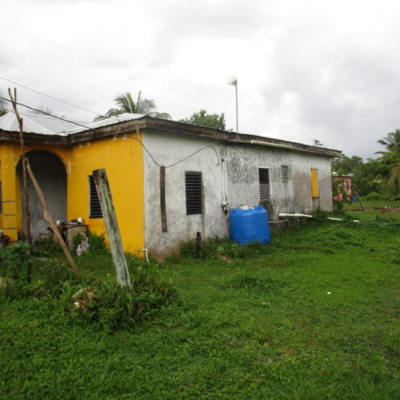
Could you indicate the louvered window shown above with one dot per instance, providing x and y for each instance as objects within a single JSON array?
[
  {"x": 285, "y": 174},
  {"x": 94, "y": 201},
  {"x": 194, "y": 193},
  {"x": 263, "y": 174},
  {"x": 1, "y": 198}
]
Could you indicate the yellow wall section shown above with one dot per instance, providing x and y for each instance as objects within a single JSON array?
[
  {"x": 122, "y": 159},
  {"x": 314, "y": 183}
]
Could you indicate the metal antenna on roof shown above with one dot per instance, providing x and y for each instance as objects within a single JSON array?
[{"x": 232, "y": 80}]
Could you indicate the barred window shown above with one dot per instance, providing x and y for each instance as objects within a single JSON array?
[
  {"x": 94, "y": 201},
  {"x": 263, "y": 174},
  {"x": 194, "y": 193}
]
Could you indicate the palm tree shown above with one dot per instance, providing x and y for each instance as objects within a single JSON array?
[
  {"x": 126, "y": 104},
  {"x": 391, "y": 141},
  {"x": 3, "y": 109}
]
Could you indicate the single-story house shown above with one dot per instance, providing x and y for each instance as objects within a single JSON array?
[
  {"x": 344, "y": 185},
  {"x": 168, "y": 179}
]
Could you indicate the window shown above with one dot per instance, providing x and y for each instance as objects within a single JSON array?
[
  {"x": 194, "y": 193},
  {"x": 94, "y": 201},
  {"x": 285, "y": 174},
  {"x": 314, "y": 183},
  {"x": 1, "y": 198},
  {"x": 263, "y": 174}
]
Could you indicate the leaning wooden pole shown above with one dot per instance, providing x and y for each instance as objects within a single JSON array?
[
  {"x": 24, "y": 178},
  {"x": 46, "y": 211},
  {"x": 359, "y": 198},
  {"x": 111, "y": 223}
]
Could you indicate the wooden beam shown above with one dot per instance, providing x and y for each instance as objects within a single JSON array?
[
  {"x": 162, "y": 201},
  {"x": 111, "y": 223}
]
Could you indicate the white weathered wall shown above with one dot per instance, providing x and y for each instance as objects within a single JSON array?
[
  {"x": 167, "y": 149},
  {"x": 237, "y": 177},
  {"x": 295, "y": 196}
]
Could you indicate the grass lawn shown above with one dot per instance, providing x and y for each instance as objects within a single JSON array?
[{"x": 313, "y": 315}]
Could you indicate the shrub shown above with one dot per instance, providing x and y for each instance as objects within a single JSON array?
[
  {"x": 14, "y": 260},
  {"x": 110, "y": 307},
  {"x": 374, "y": 197}
]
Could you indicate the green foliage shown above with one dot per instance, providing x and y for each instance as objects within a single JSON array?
[
  {"x": 211, "y": 120},
  {"x": 375, "y": 197},
  {"x": 263, "y": 327},
  {"x": 14, "y": 260},
  {"x": 110, "y": 307},
  {"x": 346, "y": 165},
  {"x": 97, "y": 242},
  {"x": 126, "y": 104}
]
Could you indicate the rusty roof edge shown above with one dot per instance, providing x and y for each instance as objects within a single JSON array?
[{"x": 169, "y": 126}]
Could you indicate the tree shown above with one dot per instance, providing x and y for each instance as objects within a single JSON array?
[
  {"x": 391, "y": 141},
  {"x": 126, "y": 104},
  {"x": 204, "y": 119},
  {"x": 3, "y": 104},
  {"x": 346, "y": 165}
]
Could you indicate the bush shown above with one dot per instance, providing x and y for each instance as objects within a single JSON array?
[
  {"x": 375, "y": 197},
  {"x": 110, "y": 307},
  {"x": 14, "y": 260}
]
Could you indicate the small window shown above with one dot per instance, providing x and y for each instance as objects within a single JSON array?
[
  {"x": 94, "y": 201},
  {"x": 263, "y": 174},
  {"x": 194, "y": 193},
  {"x": 1, "y": 198},
  {"x": 285, "y": 174},
  {"x": 314, "y": 183}
]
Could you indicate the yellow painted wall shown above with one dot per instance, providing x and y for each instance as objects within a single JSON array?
[{"x": 122, "y": 159}]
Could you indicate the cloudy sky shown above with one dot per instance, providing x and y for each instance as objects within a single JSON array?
[{"x": 307, "y": 70}]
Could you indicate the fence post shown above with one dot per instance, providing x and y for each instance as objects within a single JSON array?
[{"x": 111, "y": 223}]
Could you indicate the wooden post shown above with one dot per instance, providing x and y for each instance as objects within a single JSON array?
[
  {"x": 164, "y": 225},
  {"x": 111, "y": 223},
  {"x": 47, "y": 215},
  {"x": 26, "y": 194}
]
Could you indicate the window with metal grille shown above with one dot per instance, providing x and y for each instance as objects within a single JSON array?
[
  {"x": 1, "y": 198},
  {"x": 194, "y": 193},
  {"x": 94, "y": 201},
  {"x": 263, "y": 174}
]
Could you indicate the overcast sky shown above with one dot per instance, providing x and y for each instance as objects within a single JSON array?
[{"x": 307, "y": 70}]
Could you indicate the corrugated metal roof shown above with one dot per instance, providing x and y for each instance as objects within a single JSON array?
[
  {"x": 41, "y": 124},
  {"x": 109, "y": 121},
  {"x": 47, "y": 125}
]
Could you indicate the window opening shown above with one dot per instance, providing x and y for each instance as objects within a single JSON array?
[
  {"x": 194, "y": 193},
  {"x": 263, "y": 174},
  {"x": 285, "y": 174},
  {"x": 94, "y": 201}
]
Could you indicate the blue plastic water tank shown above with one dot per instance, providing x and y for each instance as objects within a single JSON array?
[{"x": 249, "y": 226}]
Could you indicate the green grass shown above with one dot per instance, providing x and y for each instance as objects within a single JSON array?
[{"x": 262, "y": 327}]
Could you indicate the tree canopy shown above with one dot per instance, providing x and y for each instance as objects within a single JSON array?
[
  {"x": 204, "y": 119},
  {"x": 126, "y": 104}
]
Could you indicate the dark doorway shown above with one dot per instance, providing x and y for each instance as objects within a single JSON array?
[{"x": 50, "y": 173}]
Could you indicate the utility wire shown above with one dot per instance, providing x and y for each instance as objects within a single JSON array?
[
  {"x": 115, "y": 136},
  {"x": 50, "y": 97},
  {"x": 50, "y": 115}
]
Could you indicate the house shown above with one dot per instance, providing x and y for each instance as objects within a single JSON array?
[
  {"x": 344, "y": 185},
  {"x": 169, "y": 180}
]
